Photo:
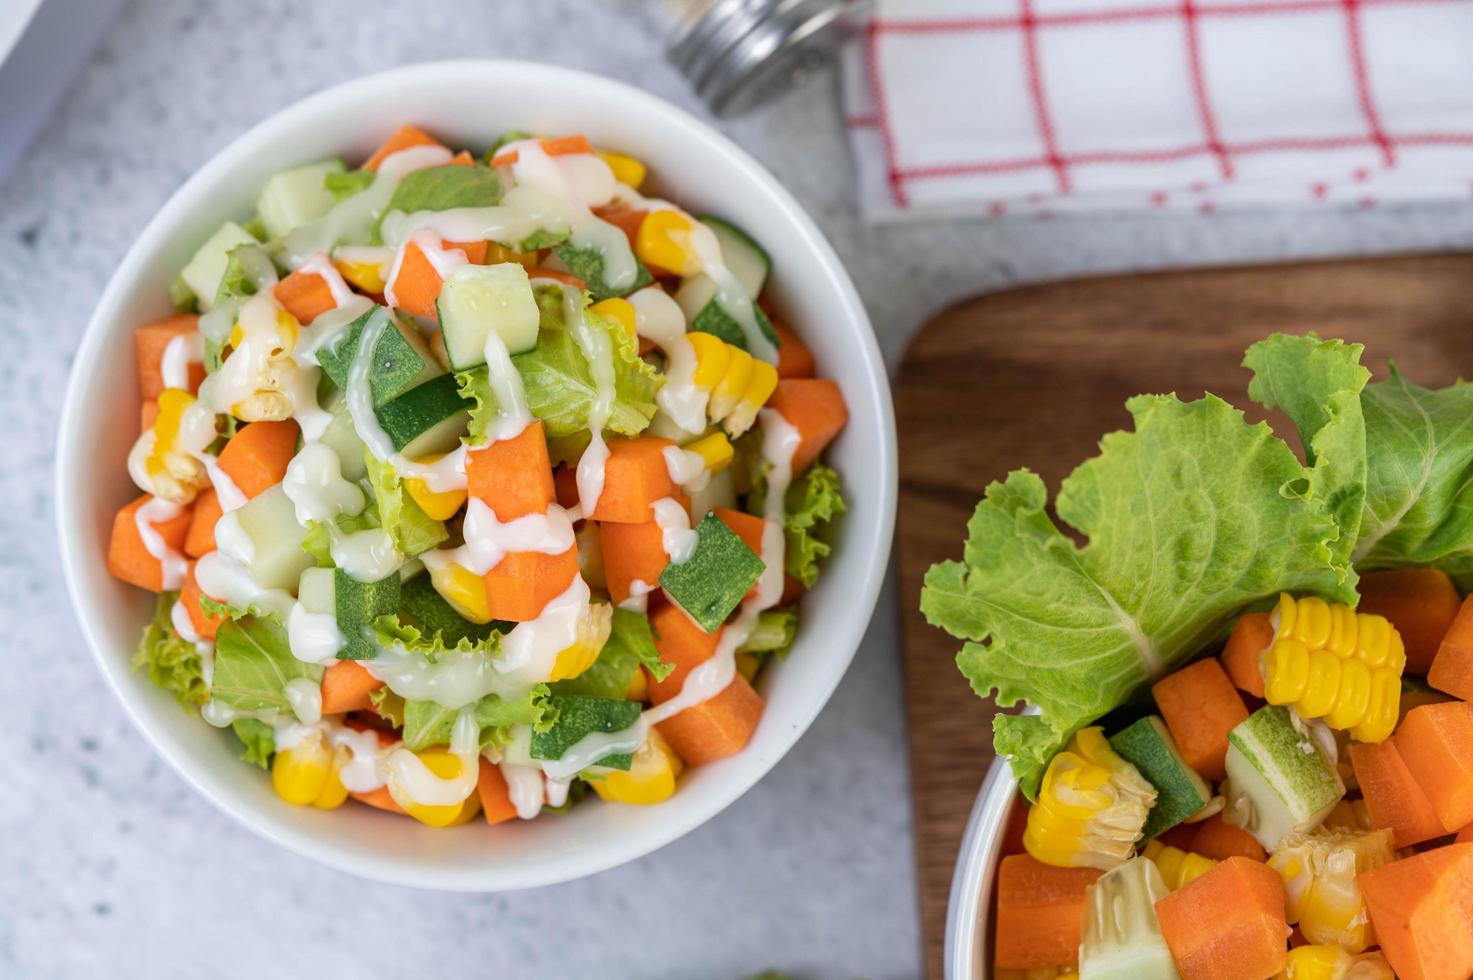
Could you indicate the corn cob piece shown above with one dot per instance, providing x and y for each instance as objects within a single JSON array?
[
  {"x": 1177, "y": 867},
  {"x": 1320, "y": 892},
  {"x": 1334, "y": 963},
  {"x": 1328, "y": 661},
  {"x": 1091, "y": 808},
  {"x": 738, "y": 384}
]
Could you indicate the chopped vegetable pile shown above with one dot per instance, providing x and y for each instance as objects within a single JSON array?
[
  {"x": 470, "y": 484},
  {"x": 1253, "y": 750}
]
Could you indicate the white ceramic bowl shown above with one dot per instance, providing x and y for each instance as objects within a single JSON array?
[
  {"x": 969, "y": 910},
  {"x": 470, "y": 103}
]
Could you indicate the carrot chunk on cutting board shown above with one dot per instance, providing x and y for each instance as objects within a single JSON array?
[
  {"x": 1200, "y": 706},
  {"x": 1240, "y": 658},
  {"x": 1229, "y": 922},
  {"x": 512, "y": 476},
  {"x": 632, "y": 553},
  {"x": 635, "y": 476},
  {"x": 1420, "y": 602},
  {"x": 1422, "y": 908},
  {"x": 402, "y": 139},
  {"x": 149, "y": 343},
  {"x": 305, "y": 295},
  {"x": 256, "y": 457},
  {"x": 1039, "y": 910},
  {"x": 207, "y": 512},
  {"x": 1452, "y": 667},
  {"x": 346, "y": 686},
  {"x": 128, "y": 557},
  {"x": 717, "y": 727},
  {"x": 816, "y": 408},
  {"x": 681, "y": 642},
  {"x": 1436, "y": 743},
  {"x": 496, "y": 804},
  {"x": 1220, "y": 840},
  {"x": 1393, "y": 798},
  {"x": 524, "y": 582}
]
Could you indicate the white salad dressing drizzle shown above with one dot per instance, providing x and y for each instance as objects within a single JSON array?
[
  {"x": 305, "y": 697},
  {"x": 730, "y": 295},
  {"x": 525, "y": 787},
  {"x": 171, "y": 563},
  {"x": 432, "y": 247},
  {"x": 659, "y": 318},
  {"x": 687, "y": 469},
  {"x": 410, "y": 781},
  {"x": 676, "y": 535},
  {"x": 320, "y": 265},
  {"x": 179, "y": 354},
  {"x": 315, "y": 485},
  {"x": 598, "y": 349},
  {"x": 360, "y": 774},
  {"x": 184, "y": 626},
  {"x": 313, "y": 637}
]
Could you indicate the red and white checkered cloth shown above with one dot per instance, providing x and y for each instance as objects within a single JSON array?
[{"x": 1037, "y": 106}]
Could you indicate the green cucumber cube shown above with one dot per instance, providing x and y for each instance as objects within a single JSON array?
[
  {"x": 424, "y": 607},
  {"x": 1180, "y": 791},
  {"x": 747, "y": 260},
  {"x": 1121, "y": 937},
  {"x": 712, "y": 583},
  {"x": 294, "y": 197},
  {"x": 578, "y": 716},
  {"x": 426, "y": 419},
  {"x": 269, "y": 521},
  {"x": 588, "y": 265},
  {"x": 203, "y": 273},
  {"x": 401, "y": 359},
  {"x": 356, "y": 605},
  {"x": 342, "y": 438},
  {"x": 477, "y": 299},
  {"x": 1279, "y": 781},
  {"x": 697, "y": 299}
]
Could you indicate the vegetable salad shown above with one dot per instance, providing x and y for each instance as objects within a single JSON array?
[
  {"x": 1253, "y": 750},
  {"x": 470, "y": 484}
]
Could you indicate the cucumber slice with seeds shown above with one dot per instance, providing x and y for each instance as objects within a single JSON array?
[{"x": 1279, "y": 782}]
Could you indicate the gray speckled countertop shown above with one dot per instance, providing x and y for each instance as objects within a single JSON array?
[{"x": 112, "y": 867}]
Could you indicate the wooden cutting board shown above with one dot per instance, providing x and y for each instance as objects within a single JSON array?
[{"x": 1034, "y": 376}]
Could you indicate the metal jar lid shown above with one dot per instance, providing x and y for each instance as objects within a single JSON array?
[{"x": 738, "y": 54}]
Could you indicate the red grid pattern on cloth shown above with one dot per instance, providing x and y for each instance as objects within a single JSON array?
[{"x": 1030, "y": 24}]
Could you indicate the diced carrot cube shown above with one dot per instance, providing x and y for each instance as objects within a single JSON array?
[
  {"x": 512, "y": 476},
  {"x": 403, "y": 138},
  {"x": 717, "y": 727},
  {"x": 555, "y": 146},
  {"x": 1422, "y": 908},
  {"x": 565, "y": 486},
  {"x": 681, "y": 642},
  {"x": 207, "y": 512},
  {"x": 148, "y": 414},
  {"x": 150, "y": 342},
  {"x": 1452, "y": 667},
  {"x": 1039, "y": 911},
  {"x": 346, "y": 686},
  {"x": 1393, "y": 799},
  {"x": 1229, "y": 922},
  {"x": 203, "y": 623},
  {"x": 816, "y": 408},
  {"x": 305, "y": 295},
  {"x": 1420, "y": 602},
  {"x": 496, "y": 804},
  {"x": 380, "y": 799},
  {"x": 632, "y": 553},
  {"x": 1252, "y": 635},
  {"x": 1436, "y": 743},
  {"x": 1200, "y": 706},
  {"x": 627, "y": 220},
  {"x": 128, "y": 557},
  {"x": 256, "y": 457},
  {"x": 524, "y": 582},
  {"x": 635, "y": 476},
  {"x": 794, "y": 359},
  {"x": 1220, "y": 840}
]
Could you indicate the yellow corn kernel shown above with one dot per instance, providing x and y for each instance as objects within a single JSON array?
[
  {"x": 760, "y": 385},
  {"x": 498, "y": 254},
  {"x": 650, "y": 779},
  {"x": 1349, "y": 815},
  {"x": 176, "y": 476},
  {"x": 620, "y": 310},
  {"x": 663, "y": 240},
  {"x": 368, "y": 277},
  {"x": 593, "y": 631},
  {"x": 1091, "y": 807},
  {"x": 639, "y": 686},
  {"x": 712, "y": 357},
  {"x": 627, "y": 170},
  {"x": 285, "y": 341},
  {"x": 727, "y": 393},
  {"x": 1328, "y": 661},
  {"x": 1320, "y": 892},
  {"x": 463, "y": 589},
  {"x": 307, "y": 774},
  {"x": 715, "y": 449},
  {"x": 1334, "y": 963},
  {"x": 445, "y": 764},
  {"x": 746, "y": 665},
  {"x": 1177, "y": 867},
  {"x": 440, "y": 505}
]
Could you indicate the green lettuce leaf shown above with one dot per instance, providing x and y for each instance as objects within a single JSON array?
[
  {"x": 588, "y": 264},
  {"x": 253, "y": 664},
  {"x": 427, "y": 723},
  {"x": 1189, "y": 518},
  {"x": 443, "y": 188},
  {"x": 631, "y": 645},
  {"x": 813, "y": 502},
  {"x": 318, "y": 540},
  {"x": 258, "y": 740},
  {"x": 345, "y": 183},
  {"x": 172, "y": 662},
  {"x": 388, "y": 706},
  {"x": 412, "y": 530},
  {"x": 559, "y": 382},
  {"x": 401, "y": 630},
  {"x": 774, "y": 633}
]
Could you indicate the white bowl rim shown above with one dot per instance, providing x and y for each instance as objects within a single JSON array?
[
  {"x": 873, "y": 542},
  {"x": 967, "y": 947}
]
